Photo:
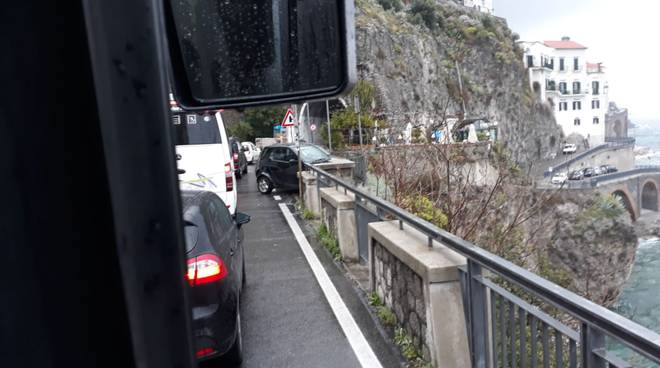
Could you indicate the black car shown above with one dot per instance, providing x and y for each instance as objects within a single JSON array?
[
  {"x": 278, "y": 165},
  {"x": 608, "y": 169},
  {"x": 216, "y": 274},
  {"x": 576, "y": 175},
  {"x": 238, "y": 155},
  {"x": 588, "y": 172}
]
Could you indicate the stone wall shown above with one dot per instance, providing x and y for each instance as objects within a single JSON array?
[{"x": 402, "y": 291}]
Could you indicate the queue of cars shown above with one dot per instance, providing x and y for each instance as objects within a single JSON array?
[
  {"x": 209, "y": 163},
  {"x": 588, "y": 172}
]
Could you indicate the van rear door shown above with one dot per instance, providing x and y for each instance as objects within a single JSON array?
[{"x": 201, "y": 153}]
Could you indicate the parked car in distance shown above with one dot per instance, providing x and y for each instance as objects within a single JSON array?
[
  {"x": 216, "y": 274},
  {"x": 278, "y": 165},
  {"x": 251, "y": 152},
  {"x": 238, "y": 156},
  {"x": 203, "y": 155},
  {"x": 588, "y": 172},
  {"x": 576, "y": 175},
  {"x": 608, "y": 169},
  {"x": 569, "y": 148},
  {"x": 598, "y": 171},
  {"x": 559, "y": 178}
]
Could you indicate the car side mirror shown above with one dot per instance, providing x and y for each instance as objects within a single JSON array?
[
  {"x": 242, "y": 219},
  {"x": 244, "y": 53}
]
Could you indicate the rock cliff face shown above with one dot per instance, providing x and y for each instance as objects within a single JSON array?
[
  {"x": 598, "y": 252},
  {"x": 415, "y": 69}
]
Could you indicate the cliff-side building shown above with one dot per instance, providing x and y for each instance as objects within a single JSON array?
[
  {"x": 560, "y": 75},
  {"x": 485, "y": 6}
]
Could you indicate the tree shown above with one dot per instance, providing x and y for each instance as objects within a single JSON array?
[{"x": 261, "y": 121}]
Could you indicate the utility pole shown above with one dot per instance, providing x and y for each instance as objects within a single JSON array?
[
  {"x": 356, "y": 102},
  {"x": 327, "y": 112},
  {"x": 300, "y": 195}
]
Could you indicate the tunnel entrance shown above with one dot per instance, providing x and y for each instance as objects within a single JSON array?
[{"x": 650, "y": 196}]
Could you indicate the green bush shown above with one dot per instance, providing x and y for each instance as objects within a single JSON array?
[
  {"x": 425, "y": 11},
  {"x": 608, "y": 207},
  {"x": 391, "y": 4},
  {"x": 423, "y": 207}
]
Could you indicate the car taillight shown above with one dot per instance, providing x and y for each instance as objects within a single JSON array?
[
  {"x": 204, "y": 352},
  {"x": 229, "y": 178},
  {"x": 204, "y": 269},
  {"x": 235, "y": 157}
]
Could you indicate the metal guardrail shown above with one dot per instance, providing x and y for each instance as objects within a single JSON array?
[{"x": 491, "y": 310}]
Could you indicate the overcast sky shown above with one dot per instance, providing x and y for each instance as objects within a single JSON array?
[{"x": 625, "y": 35}]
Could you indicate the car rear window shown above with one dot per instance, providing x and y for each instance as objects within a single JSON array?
[{"x": 195, "y": 129}]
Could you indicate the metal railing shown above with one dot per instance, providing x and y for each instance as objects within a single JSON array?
[{"x": 500, "y": 324}]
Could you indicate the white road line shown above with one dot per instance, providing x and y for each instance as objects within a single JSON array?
[
  {"x": 355, "y": 337},
  {"x": 277, "y": 198}
]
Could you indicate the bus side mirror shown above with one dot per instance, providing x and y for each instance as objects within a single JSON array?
[{"x": 229, "y": 54}]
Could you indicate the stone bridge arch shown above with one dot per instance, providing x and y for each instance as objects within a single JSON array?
[
  {"x": 650, "y": 195},
  {"x": 626, "y": 202}
]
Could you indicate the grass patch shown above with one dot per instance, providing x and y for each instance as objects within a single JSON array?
[
  {"x": 329, "y": 242},
  {"x": 308, "y": 214},
  {"x": 408, "y": 349}
]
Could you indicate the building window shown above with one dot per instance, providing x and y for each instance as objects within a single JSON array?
[
  {"x": 576, "y": 64},
  {"x": 530, "y": 61},
  {"x": 561, "y": 65},
  {"x": 595, "y": 104},
  {"x": 563, "y": 106},
  {"x": 562, "y": 88},
  {"x": 577, "y": 105},
  {"x": 596, "y": 121},
  {"x": 595, "y": 90},
  {"x": 576, "y": 88},
  {"x": 576, "y": 122},
  {"x": 550, "y": 85}
]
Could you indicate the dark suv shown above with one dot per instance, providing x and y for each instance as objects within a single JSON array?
[
  {"x": 238, "y": 155},
  {"x": 278, "y": 165}
]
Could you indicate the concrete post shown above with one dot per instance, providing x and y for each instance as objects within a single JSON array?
[
  {"x": 401, "y": 262},
  {"x": 338, "y": 212},
  {"x": 311, "y": 193}
]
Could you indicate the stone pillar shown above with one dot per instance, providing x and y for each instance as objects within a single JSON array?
[
  {"x": 310, "y": 193},
  {"x": 338, "y": 214},
  {"x": 421, "y": 286}
]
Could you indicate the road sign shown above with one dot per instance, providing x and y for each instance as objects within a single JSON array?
[
  {"x": 289, "y": 119},
  {"x": 312, "y": 127}
]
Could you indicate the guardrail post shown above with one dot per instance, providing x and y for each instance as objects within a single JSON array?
[
  {"x": 478, "y": 318},
  {"x": 591, "y": 340}
]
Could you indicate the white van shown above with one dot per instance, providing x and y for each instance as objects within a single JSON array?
[{"x": 203, "y": 155}]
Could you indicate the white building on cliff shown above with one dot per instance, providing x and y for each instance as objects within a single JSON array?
[
  {"x": 485, "y": 6},
  {"x": 577, "y": 90}
]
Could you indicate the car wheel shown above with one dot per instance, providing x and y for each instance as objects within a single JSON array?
[
  {"x": 234, "y": 356},
  {"x": 264, "y": 185}
]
